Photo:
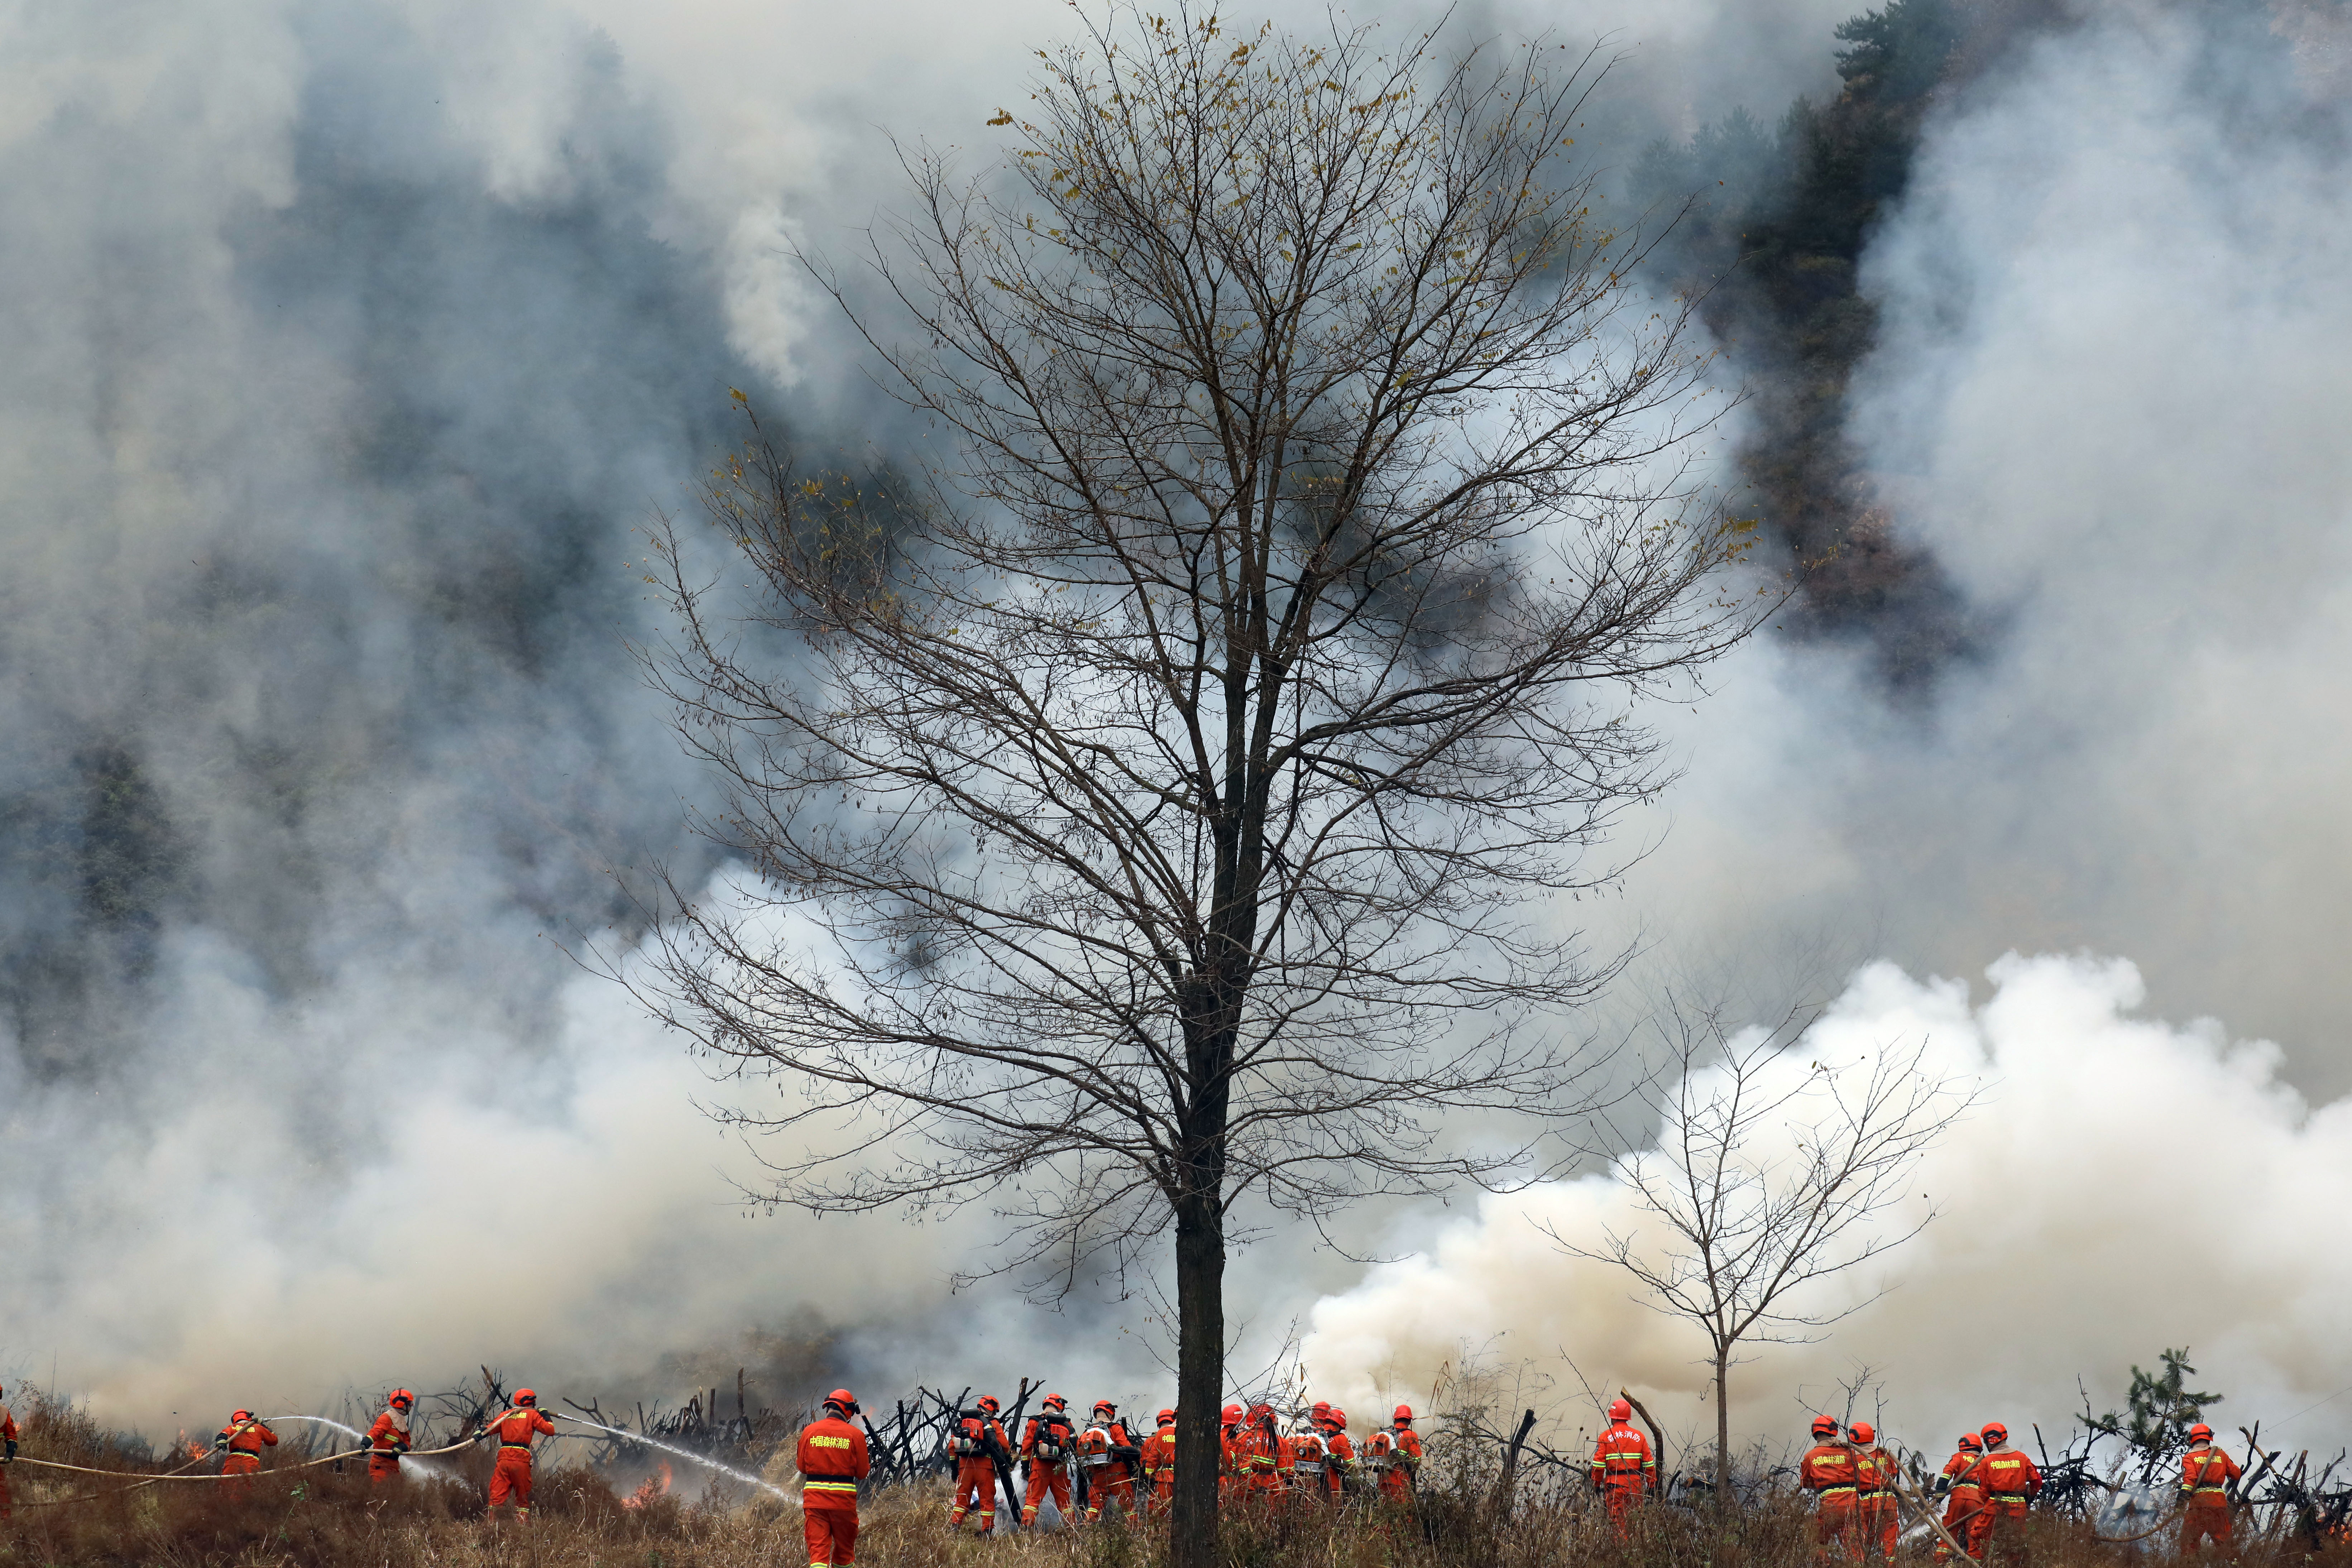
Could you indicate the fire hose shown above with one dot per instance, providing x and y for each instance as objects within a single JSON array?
[{"x": 180, "y": 1474}]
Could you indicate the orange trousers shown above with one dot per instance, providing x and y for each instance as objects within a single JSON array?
[
  {"x": 831, "y": 1533},
  {"x": 511, "y": 1478},
  {"x": 1880, "y": 1519},
  {"x": 975, "y": 1488},
  {"x": 1959, "y": 1523},
  {"x": 2000, "y": 1527},
  {"x": 239, "y": 1464},
  {"x": 2202, "y": 1522},
  {"x": 1108, "y": 1485},
  {"x": 1836, "y": 1528},
  {"x": 1620, "y": 1501},
  {"x": 1047, "y": 1481},
  {"x": 381, "y": 1468},
  {"x": 1394, "y": 1487}
]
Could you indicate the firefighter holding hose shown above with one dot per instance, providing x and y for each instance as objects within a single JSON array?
[
  {"x": 240, "y": 1444},
  {"x": 515, "y": 1431},
  {"x": 832, "y": 1461},
  {"x": 388, "y": 1439}
]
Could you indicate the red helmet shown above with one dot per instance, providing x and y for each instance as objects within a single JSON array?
[
  {"x": 1166, "y": 1418},
  {"x": 1621, "y": 1410},
  {"x": 1824, "y": 1425},
  {"x": 400, "y": 1399},
  {"x": 528, "y": 1398},
  {"x": 841, "y": 1401},
  {"x": 1969, "y": 1443},
  {"x": 1054, "y": 1402},
  {"x": 2202, "y": 1432},
  {"x": 1319, "y": 1409},
  {"x": 1994, "y": 1432},
  {"x": 1339, "y": 1419},
  {"x": 235, "y": 1415},
  {"x": 1105, "y": 1408},
  {"x": 1404, "y": 1414},
  {"x": 1862, "y": 1433},
  {"x": 988, "y": 1406},
  {"x": 1231, "y": 1414},
  {"x": 1260, "y": 1412}
]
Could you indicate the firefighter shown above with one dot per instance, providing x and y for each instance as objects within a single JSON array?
[
  {"x": 240, "y": 1444},
  {"x": 1875, "y": 1514},
  {"x": 2010, "y": 1483},
  {"x": 1045, "y": 1447},
  {"x": 1830, "y": 1471},
  {"x": 1623, "y": 1468},
  {"x": 2206, "y": 1475},
  {"x": 975, "y": 1441},
  {"x": 1229, "y": 1450},
  {"x": 1106, "y": 1452},
  {"x": 1379, "y": 1458},
  {"x": 1264, "y": 1464},
  {"x": 523, "y": 1424},
  {"x": 1405, "y": 1457},
  {"x": 1962, "y": 1494},
  {"x": 1304, "y": 1454},
  {"x": 8, "y": 1457},
  {"x": 388, "y": 1439},
  {"x": 832, "y": 1461},
  {"x": 1160, "y": 1462},
  {"x": 1340, "y": 1454}
]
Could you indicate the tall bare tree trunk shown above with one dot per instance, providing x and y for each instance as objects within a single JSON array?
[
  {"x": 1722, "y": 1429},
  {"x": 1199, "y": 1377}
]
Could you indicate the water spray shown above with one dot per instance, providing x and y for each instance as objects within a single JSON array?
[{"x": 681, "y": 1453}]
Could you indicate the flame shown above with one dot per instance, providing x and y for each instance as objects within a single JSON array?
[
  {"x": 191, "y": 1447},
  {"x": 650, "y": 1488}
]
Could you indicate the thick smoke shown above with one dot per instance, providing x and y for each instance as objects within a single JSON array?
[
  {"x": 2098, "y": 1205},
  {"x": 2108, "y": 391}
]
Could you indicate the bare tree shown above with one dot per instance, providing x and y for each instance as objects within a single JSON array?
[
  {"x": 1771, "y": 1172},
  {"x": 1169, "y": 805}
]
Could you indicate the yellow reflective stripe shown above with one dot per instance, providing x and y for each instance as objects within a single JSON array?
[
  {"x": 1832, "y": 1491},
  {"x": 829, "y": 1486}
]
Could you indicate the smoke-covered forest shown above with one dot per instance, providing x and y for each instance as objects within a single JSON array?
[{"x": 357, "y": 356}]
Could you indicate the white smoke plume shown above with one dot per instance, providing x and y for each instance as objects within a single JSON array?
[{"x": 2109, "y": 1197}]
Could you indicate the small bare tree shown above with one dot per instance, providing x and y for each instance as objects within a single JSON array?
[
  {"x": 1168, "y": 805},
  {"x": 1770, "y": 1173}
]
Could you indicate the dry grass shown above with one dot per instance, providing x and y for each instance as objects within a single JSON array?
[{"x": 318, "y": 1519}]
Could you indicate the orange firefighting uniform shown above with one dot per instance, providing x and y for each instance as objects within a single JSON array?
[
  {"x": 1404, "y": 1458},
  {"x": 975, "y": 1472},
  {"x": 832, "y": 1459},
  {"x": 246, "y": 1440},
  {"x": 387, "y": 1440},
  {"x": 1307, "y": 1459},
  {"x": 510, "y": 1477},
  {"x": 1160, "y": 1465},
  {"x": 1828, "y": 1471},
  {"x": 1259, "y": 1459},
  {"x": 1045, "y": 1447},
  {"x": 1108, "y": 1478},
  {"x": 1232, "y": 1462},
  {"x": 8, "y": 1436},
  {"x": 2010, "y": 1482},
  {"x": 1340, "y": 1461},
  {"x": 1961, "y": 1503},
  {"x": 2206, "y": 1473},
  {"x": 1623, "y": 1469},
  {"x": 1874, "y": 1507}
]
